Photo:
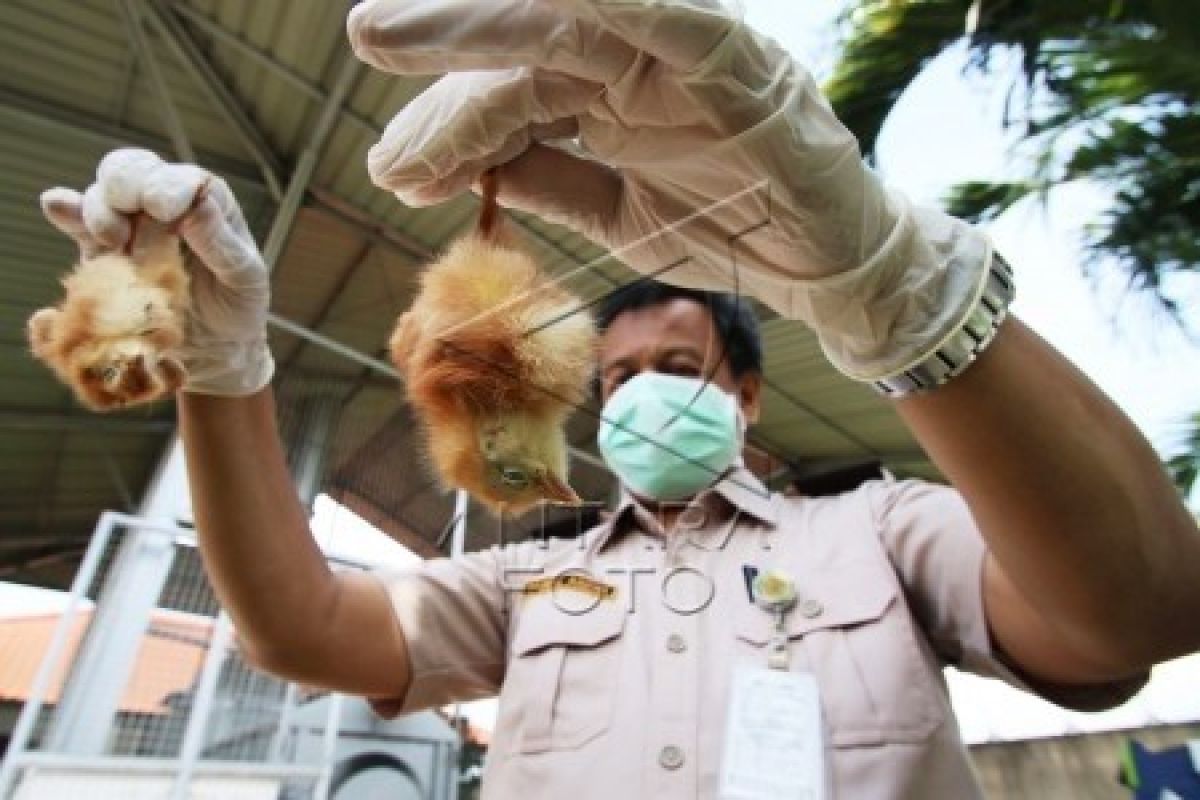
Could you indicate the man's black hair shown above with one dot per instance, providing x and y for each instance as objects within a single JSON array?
[{"x": 732, "y": 316}]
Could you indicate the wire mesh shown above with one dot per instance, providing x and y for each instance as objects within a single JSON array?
[
  {"x": 157, "y": 694},
  {"x": 120, "y": 712},
  {"x": 150, "y": 697},
  {"x": 77, "y": 621}
]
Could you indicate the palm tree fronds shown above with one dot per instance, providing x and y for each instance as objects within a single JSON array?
[
  {"x": 1114, "y": 99},
  {"x": 979, "y": 201},
  {"x": 887, "y": 46},
  {"x": 1185, "y": 466}
]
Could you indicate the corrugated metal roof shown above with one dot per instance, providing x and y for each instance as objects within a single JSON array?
[{"x": 73, "y": 86}]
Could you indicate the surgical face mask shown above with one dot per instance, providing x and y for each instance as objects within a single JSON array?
[{"x": 667, "y": 438}]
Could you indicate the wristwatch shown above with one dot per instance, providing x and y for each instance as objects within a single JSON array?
[{"x": 962, "y": 346}]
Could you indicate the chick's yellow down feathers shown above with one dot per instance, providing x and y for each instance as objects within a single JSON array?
[
  {"x": 495, "y": 355},
  {"x": 112, "y": 337}
]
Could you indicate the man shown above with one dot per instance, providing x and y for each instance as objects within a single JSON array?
[{"x": 651, "y": 657}]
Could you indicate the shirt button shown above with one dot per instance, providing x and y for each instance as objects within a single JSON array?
[
  {"x": 676, "y": 643},
  {"x": 811, "y": 608},
  {"x": 670, "y": 757}
]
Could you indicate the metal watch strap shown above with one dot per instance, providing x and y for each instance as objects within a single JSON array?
[{"x": 964, "y": 345}]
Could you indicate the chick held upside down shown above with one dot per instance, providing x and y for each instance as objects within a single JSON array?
[
  {"x": 494, "y": 356},
  {"x": 112, "y": 338}
]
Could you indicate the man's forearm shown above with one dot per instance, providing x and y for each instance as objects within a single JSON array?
[
  {"x": 1074, "y": 504},
  {"x": 254, "y": 535}
]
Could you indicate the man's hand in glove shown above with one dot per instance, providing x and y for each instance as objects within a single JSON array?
[
  {"x": 225, "y": 348},
  {"x": 673, "y": 134}
]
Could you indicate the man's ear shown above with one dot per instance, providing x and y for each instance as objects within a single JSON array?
[{"x": 750, "y": 395}]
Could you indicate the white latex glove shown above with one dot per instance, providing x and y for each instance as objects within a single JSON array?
[
  {"x": 692, "y": 131},
  {"x": 225, "y": 351}
]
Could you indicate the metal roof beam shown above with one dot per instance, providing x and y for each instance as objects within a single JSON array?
[
  {"x": 808, "y": 467},
  {"x": 222, "y": 97},
  {"x": 45, "y": 505},
  {"x": 353, "y": 266},
  {"x": 170, "y": 114},
  {"x": 317, "y": 93},
  {"x": 45, "y": 558},
  {"x": 25, "y": 542},
  {"x": 38, "y": 112},
  {"x": 264, "y": 60},
  {"x": 370, "y": 227},
  {"x": 370, "y": 363},
  {"x": 306, "y": 166},
  {"x": 118, "y": 480},
  {"x": 41, "y": 421},
  {"x": 796, "y": 402},
  {"x": 121, "y": 99}
]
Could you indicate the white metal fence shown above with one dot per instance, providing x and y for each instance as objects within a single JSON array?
[{"x": 142, "y": 693}]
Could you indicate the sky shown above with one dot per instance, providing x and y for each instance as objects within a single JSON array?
[{"x": 946, "y": 130}]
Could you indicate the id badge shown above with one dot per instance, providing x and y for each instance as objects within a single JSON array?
[{"x": 774, "y": 741}]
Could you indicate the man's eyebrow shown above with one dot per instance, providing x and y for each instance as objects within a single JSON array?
[
  {"x": 626, "y": 362},
  {"x": 667, "y": 352}
]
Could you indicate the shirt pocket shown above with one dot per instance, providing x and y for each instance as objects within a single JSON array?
[
  {"x": 854, "y": 630},
  {"x": 564, "y": 671}
]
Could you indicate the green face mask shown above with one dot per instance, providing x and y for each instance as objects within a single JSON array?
[{"x": 666, "y": 438}]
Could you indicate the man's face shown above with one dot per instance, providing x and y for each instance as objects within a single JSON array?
[{"x": 677, "y": 337}]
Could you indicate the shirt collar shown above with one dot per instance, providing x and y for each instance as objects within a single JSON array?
[{"x": 738, "y": 491}]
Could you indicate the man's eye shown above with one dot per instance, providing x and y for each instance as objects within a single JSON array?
[
  {"x": 615, "y": 379},
  {"x": 686, "y": 370}
]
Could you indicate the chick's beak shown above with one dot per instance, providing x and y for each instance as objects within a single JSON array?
[{"x": 555, "y": 490}]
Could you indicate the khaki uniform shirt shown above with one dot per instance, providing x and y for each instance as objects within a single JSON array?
[{"x": 613, "y": 680}]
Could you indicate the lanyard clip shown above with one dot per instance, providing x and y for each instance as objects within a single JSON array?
[{"x": 775, "y": 593}]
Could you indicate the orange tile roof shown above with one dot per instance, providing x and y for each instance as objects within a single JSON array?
[
  {"x": 168, "y": 660},
  {"x": 466, "y": 729},
  {"x": 479, "y": 735}
]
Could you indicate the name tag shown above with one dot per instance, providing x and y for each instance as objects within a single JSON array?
[
  {"x": 774, "y": 745},
  {"x": 570, "y": 581}
]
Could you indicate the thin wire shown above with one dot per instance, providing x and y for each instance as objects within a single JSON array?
[
  {"x": 723, "y": 338},
  {"x": 722, "y": 335},
  {"x": 595, "y": 414}
]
